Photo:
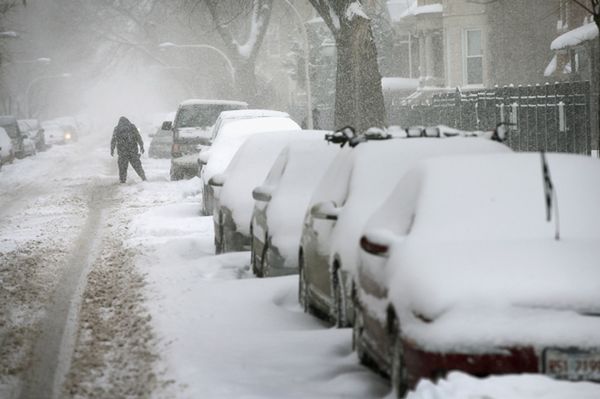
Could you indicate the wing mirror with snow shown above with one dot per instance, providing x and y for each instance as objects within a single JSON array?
[
  {"x": 217, "y": 180},
  {"x": 167, "y": 125},
  {"x": 325, "y": 210},
  {"x": 262, "y": 193},
  {"x": 203, "y": 158}
]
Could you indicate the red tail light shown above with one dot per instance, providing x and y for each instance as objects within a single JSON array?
[
  {"x": 175, "y": 148},
  {"x": 373, "y": 248}
]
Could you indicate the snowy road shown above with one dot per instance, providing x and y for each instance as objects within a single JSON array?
[{"x": 111, "y": 291}]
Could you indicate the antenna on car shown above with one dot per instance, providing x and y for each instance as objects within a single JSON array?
[{"x": 550, "y": 196}]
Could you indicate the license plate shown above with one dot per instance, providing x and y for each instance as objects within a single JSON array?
[{"x": 572, "y": 364}]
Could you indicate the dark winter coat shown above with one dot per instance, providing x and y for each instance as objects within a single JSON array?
[{"x": 126, "y": 138}]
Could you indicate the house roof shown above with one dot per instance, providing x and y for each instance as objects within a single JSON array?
[{"x": 575, "y": 37}]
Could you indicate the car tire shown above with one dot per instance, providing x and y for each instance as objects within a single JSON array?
[
  {"x": 337, "y": 289},
  {"x": 303, "y": 295},
  {"x": 398, "y": 372}
]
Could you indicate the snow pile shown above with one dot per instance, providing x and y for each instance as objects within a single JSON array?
[
  {"x": 575, "y": 37},
  {"x": 194, "y": 132},
  {"x": 228, "y": 116},
  {"x": 233, "y": 135},
  {"x": 248, "y": 169},
  {"x": 355, "y": 9},
  {"x": 526, "y": 288},
  {"x": 305, "y": 163},
  {"x": 415, "y": 9},
  {"x": 527, "y": 386}
]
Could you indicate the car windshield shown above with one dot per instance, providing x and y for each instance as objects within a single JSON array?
[
  {"x": 201, "y": 115},
  {"x": 11, "y": 129}
]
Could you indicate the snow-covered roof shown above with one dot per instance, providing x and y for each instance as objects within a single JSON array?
[
  {"x": 410, "y": 8},
  {"x": 575, "y": 37},
  {"x": 207, "y": 102},
  {"x": 393, "y": 84}
]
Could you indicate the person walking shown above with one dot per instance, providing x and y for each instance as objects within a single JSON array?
[{"x": 126, "y": 138}]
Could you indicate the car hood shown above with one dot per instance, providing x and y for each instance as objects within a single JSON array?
[{"x": 433, "y": 278}]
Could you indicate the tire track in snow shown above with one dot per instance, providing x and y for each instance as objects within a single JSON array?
[{"x": 54, "y": 346}]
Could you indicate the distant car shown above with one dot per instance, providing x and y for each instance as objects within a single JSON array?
[
  {"x": 9, "y": 123},
  {"x": 34, "y": 131},
  {"x": 280, "y": 205},
  {"x": 217, "y": 157},
  {"x": 160, "y": 144},
  {"x": 247, "y": 169},
  {"x": 191, "y": 129},
  {"x": 7, "y": 154},
  {"x": 352, "y": 188},
  {"x": 57, "y": 131},
  {"x": 462, "y": 268}
]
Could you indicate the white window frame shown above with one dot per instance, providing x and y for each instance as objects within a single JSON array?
[{"x": 466, "y": 57}]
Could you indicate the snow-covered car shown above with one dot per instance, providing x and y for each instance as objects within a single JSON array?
[
  {"x": 228, "y": 116},
  {"x": 280, "y": 205},
  {"x": 466, "y": 267},
  {"x": 34, "y": 131},
  {"x": 160, "y": 144},
  {"x": 216, "y": 158},
  {"x": 247, "y": 169},
  {"x": 17, "y": 137},
  {"x": 192, "y": 129},
  {"x": 7, "y": 154},
  {"x": 355, "y": 184}
]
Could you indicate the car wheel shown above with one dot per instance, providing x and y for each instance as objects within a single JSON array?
[
  {"x": 399, "y": 375},
  {"x": 302, "y": 288},
  {"x": 339, "y": 313}
]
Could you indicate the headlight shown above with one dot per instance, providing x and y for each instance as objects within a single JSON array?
[{"x": 67, "y": 136}]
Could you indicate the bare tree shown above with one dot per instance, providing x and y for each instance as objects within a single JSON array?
[
  {"x": 242, "y": 52},
  {"x": 359, "y": 97}
]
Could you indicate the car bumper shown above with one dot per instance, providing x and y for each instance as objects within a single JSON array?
[{"x": 560, "y": 363}]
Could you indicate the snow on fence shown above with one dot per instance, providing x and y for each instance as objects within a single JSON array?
[{"x": 550, "y": 117}]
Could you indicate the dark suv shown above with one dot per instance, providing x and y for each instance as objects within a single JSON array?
[{"x": 191, "y": 130}]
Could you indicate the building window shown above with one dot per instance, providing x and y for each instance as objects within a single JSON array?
[{"x": 474, "y": 57}]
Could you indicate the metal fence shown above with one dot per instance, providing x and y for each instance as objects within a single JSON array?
[{"x": 550, "y": 117}]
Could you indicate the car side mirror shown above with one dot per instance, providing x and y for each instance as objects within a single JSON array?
[
  {"x": 325, "y": 210},
  {"x": 378, "y": 242},
  {"x": 217, "y": 180},
  {"x": 203, "y": 158},
  {"x": 167, "y": 125},
  {"x": 262, "y": 193}
]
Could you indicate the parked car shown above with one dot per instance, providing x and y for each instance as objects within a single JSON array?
[
  {"x": 280, "y": 205},
  {"x": 228, "y": 116},
  {"x": 247, "y": 169},
  {"x": 353, "y": 187},
  {"x": 217, "y": 157},
  {"x": 34, "y": 131},
  {"x": 532, "y": 301},
  {"x": 192, "y": 129},
  {"x": 7, "y": 154},
  {"x": 20, "y": 147},
  {"x": 160, "y": 144}
]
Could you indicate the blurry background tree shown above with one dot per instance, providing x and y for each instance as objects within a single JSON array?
[
  {"x": 358, "y": 97},
  {"x": 242, "y": 32}
]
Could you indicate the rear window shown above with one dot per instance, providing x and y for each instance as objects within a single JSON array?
[{"x": 201, "y": 115}]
